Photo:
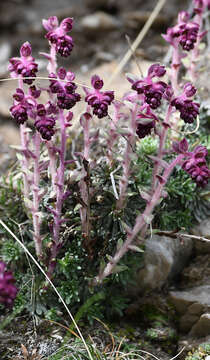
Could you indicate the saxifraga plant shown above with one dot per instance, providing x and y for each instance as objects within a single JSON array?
[{"x": 44, "y": 147}]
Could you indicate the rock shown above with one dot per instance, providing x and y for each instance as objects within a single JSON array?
[
  {"x": 197, "y": 273},
  {"x": 195, "y": 309},
  {"x": 9, "y": 135},
  {"x": 5, "y": 51},
  {"x": 193, "y": 304},
  {"x": 187, "y": 321},
  {"x": 164, "y": 258},
  {"x": 99, "y": 21},
  {"x": 202, "y": 326},
  {"x": 203, "y": 229},
  {"x": 182, "y": 300}
]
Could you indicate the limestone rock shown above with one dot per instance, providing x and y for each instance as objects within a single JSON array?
[
  {"x": 183, "y": 300},
  {"x": 202, "y": 326},
  {"x": 194, "y": 306},
  {"x": 164, "y": 259}
]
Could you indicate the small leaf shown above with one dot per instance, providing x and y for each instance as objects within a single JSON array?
[
  {"x": 131, "y": 77},
  {"x": 19, "y": 156},
  {"x": 161, "y": 162},
  {"x": 109, "y": 257},
  {"x": 135, "y": 248},
  {"x": 119, "y": 244},
  {"x": 119, "y": 268},
  {"x": 145, "y": 195},
  {"x": 28, "y": 202},
  {"x": 148, "y": 219}
]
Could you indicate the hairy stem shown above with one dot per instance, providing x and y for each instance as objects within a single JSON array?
[
  {"x": 36, "y": 196},
  {"x": 127, "y": 160}
]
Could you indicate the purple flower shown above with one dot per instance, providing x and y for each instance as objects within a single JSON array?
[
  {"x": 156, "y": 70},
  {"x": 153, "y": 93},
  {"x": 188, "y": 109},
  {"x": 25, "y": 65},
  {"x": 189, "y": 36},
  {"x": 19, "y": 113},
  {"x": 45, "y": 126},
  {"x": 34, "y": 92},
  {"x": 145, "y": 128},
  {"x": 189, "y": 90},
  {"x": 184, "y": 33},
  {"x": 99, "y": 100},
  {"x": 8, "y": 290},
  {"x": 57, "y": 35},
  {"x": 195, "y": 165},
  {"x": 66, "y": 95}
]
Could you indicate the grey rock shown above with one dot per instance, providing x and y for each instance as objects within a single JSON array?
[
  {"x": 182, "y": 300},
  {"x": 5, "y": 51},
  {"x": 99, "y": 21},
  {"x": 202, "y": 326},
  {"x": 203, "y": 229},
  {"x": 164, "y": 258}
]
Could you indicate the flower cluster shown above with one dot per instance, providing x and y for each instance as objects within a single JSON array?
[
  {"x": 97, "y": 99},
  {"x": 8, "y": 290},
  {"x": 26, "y": 106},
  {"x": 188, "y": 109},
  {"x": 57, "y": 35},
  {"x": 145, "y": 128},
  {"x": 66, "y": 95},
  {"x": 44, "y": 123},
  {"x": 195, "y": 165},
  {"x": 146, "y": 120},
  {"x": 184, "y": 33},
  {"x": 152, "y": 91},
  {"x": 25, "y": 65},
  {"x": 200, "y": 5},
  {"x": 23, "y": 105}
]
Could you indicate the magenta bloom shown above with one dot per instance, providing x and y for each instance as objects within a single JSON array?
[
  {"x": 97, "y": 99},
  {"x": 152, "y": 91},
  {"x": 44, "y": 124},
  {"x": 24, "y": 65},
  {"x": 66, "y": 95},
  {"x": 188, "y": 109},
  {"x": 19, "y": 113},
  {"x": 8, "y": 290},
  {"x": 184, "y": 33},
  {"x": 145, "y": 128},
  {"x": 57, "y": 35}
]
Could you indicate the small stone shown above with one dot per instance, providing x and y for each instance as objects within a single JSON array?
[
  {"x": 187, "y": 321},
  {"x": 202, "y": 326},
  {"x": 195, "y": 309},
  {"x": 99, "y": 21}
]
